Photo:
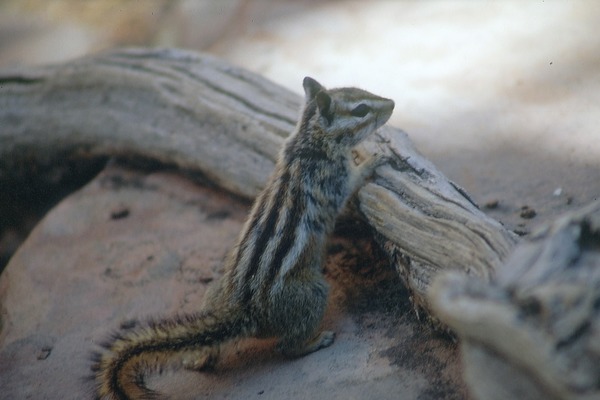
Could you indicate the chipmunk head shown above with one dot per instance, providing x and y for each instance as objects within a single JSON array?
[{"x": 345, "y": 115}]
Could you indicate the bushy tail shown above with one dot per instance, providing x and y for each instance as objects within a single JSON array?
[{"x": 140, "y": 349}]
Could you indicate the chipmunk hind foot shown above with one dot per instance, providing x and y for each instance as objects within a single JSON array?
[
  {"x": 203, "y": 360},
  {"x": 292, "y": 348}
]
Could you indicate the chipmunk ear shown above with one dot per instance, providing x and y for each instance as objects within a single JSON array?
[
  {"x": 311, "y": 88},
  {"x": 324, "y": 104},
  {"x": 315, "y": 91}
]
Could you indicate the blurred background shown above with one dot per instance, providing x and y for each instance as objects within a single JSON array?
[{"x": 502, "y": 95}]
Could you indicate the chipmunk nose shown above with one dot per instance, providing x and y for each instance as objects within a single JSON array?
[{"x": 388, "y": 105}]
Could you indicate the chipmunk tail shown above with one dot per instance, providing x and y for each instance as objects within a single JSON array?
[{"x": 140, "y": 349}]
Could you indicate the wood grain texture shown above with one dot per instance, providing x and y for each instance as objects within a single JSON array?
[
  {"x": 203, "y": 115},
  {"x": 536, "y": 325}
]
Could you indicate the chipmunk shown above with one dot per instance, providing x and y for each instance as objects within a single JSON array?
[{"x": 273, "y": 285}]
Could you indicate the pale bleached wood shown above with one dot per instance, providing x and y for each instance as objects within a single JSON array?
[
  {"x": 426, "y": 223},
  {"x": 176, "y": 107},
  {"x": 204, "y": 115},
  {"x": 533, "y": 332}
]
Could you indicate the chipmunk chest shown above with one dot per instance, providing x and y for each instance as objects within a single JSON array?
[{"x": 331, "y": 188}]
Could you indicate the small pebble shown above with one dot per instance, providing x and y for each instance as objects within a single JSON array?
[
  {"x": 44, "y": 353},
  {"x": 527, "y": 213},
  {"x": 492, "y": 204},
  {"x": 119, "y": 213}
]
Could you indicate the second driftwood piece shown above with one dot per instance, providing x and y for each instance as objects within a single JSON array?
[
  {"x": 203, "y": 115},
  {"x": 536, "y": 325}
]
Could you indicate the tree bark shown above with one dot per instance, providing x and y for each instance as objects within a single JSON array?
[{"x": 206, "y": 116}]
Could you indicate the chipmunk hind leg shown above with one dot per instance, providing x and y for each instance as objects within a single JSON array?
[
  {"x": 293, "y": 347},
  {"x": 304, "y": 303}
]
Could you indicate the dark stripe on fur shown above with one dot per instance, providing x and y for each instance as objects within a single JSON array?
[
  {"x": 267, "y": 231},
  {"x": 289, "y": 232}
]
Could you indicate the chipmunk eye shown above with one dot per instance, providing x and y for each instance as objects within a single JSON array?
[{"x": 360, "y": 110}]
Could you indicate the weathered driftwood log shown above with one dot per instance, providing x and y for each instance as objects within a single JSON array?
[
  {"x": 201, "y": 114},
  {"x": 533, "y": 332}
]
